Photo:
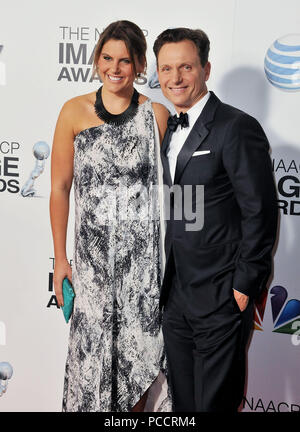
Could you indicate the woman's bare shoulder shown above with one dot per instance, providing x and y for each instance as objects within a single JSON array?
[
  {"x": 161, "y": 114},
  {"x": 142, "y": 98},
  {"x": 79, "y": 102},
  {"x": 160, "y": 109}
]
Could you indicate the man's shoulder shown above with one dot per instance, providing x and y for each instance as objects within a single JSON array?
[
  {"x": 231, "y": 120},
  {"x": 231, "y": 114},
  {"x": 231, "y": 111}
]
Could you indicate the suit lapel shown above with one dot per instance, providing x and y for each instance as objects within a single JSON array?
[
  {"x": 197, "y": 135},
  {"x": 193, "y": 141}
]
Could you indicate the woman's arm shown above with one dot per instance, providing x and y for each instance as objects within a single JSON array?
[
  {"x": 161, "y": 116},
  {"x": 61, "y": 182}
]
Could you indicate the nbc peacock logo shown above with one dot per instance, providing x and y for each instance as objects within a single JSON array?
[{"x": 285, "y": 312}]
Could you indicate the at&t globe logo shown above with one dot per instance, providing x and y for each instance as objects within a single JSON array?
[{"x": 282, "y": 63}]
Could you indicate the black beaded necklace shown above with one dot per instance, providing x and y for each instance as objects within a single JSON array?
[{"x": 116, "y": 119}]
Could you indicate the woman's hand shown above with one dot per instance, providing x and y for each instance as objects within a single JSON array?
[{"x": 62, "y": 269}]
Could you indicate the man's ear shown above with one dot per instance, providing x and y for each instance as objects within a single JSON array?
[{"x": 207, "y": 69}]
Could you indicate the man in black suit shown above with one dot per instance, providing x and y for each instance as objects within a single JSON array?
[{"x": 213, "y": 274}]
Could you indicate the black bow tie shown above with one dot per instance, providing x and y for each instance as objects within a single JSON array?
[{"x": 174, "y": 121}]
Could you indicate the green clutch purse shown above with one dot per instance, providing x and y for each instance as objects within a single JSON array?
[{"x": 68, "y": 295}]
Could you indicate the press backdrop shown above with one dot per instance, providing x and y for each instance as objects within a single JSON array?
[{"x": 45, "y": 59}]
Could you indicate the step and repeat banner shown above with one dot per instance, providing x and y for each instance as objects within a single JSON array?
[{"x": 46, "y": 52}]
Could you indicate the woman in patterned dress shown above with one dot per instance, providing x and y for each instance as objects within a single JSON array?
[{"x": 107, "y": 144}]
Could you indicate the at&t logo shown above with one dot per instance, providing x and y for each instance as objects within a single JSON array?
[{"x": 282, "y": 63}]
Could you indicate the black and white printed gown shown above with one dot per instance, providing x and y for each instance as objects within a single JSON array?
[{"x": 115, "y": 345}]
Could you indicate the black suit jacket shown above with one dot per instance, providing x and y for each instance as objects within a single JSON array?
[{"x": 233, "y": 249}]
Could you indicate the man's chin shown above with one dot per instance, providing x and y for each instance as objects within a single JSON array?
[
  {"x": 177, "y": 101},
  {"x": 181, "y": 106}
]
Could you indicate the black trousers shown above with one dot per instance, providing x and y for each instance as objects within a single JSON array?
[{"x": 206, "y": 356}]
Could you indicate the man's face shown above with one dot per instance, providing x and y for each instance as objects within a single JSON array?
[{"x": 181, "y": 76}]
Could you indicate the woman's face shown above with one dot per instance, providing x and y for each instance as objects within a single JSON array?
[{"x": 115, "y": 66}]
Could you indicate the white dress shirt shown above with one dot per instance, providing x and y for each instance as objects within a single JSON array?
[{"x": 180, "y": 135}]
